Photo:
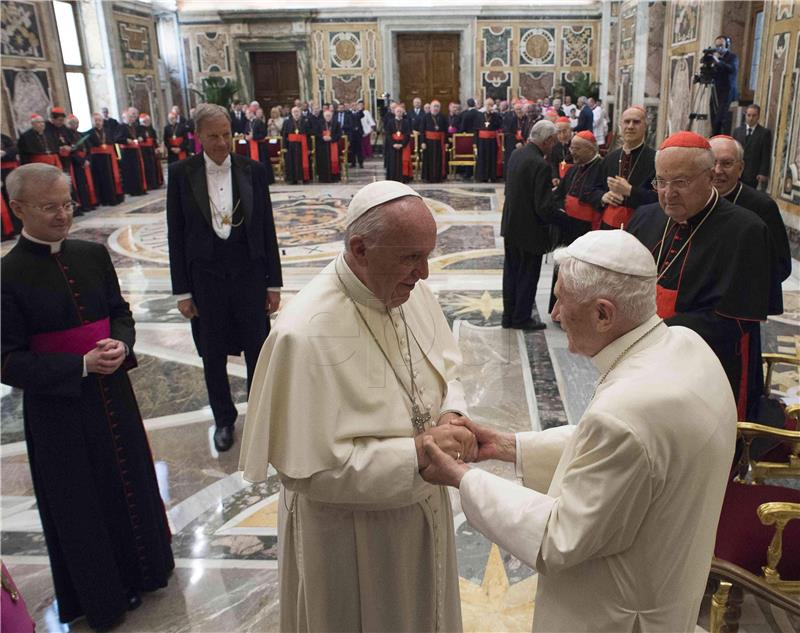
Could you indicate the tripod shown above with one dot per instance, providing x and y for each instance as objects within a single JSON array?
[{"x": 704, "y": 106}]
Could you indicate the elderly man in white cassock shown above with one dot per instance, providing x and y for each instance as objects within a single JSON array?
[
  {"x": 360, "y": 368},
  {"x": 618, "y": 513}
]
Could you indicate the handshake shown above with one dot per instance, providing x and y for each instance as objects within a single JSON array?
[{"x": 443, "y": 450}]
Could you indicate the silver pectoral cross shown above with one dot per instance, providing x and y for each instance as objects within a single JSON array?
[{"x": 419, "y": 419}]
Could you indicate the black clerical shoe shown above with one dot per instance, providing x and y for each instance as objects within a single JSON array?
[
  {"x": 530, "y": 325},
  {"x": 223, "y": 438},
  {"x": 134, "y": 600}
]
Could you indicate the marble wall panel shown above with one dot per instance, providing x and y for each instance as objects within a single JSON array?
[
  {"x": 627, "y": 32},
  {"x": 346, "y": 88},
  {"x": 537, "y": 46},
  {"x": 21, "y": 35},
  {"x": 685, "y": 25},
  {"x": 497, "y": 43},
  {"x": 135, "y": 45},
  {"x": 577, "y": 45},
  {"x": 496, "y": 84},
  {"x": 536, "y": 84},
  {"x": 344, "y": 49},
  {"x": 784, "y": 9},
  {"x": 777, "y": 69},
  {"x": 213, "y": 52},
  {"x": 625, "y": 88},
  {"x": 613, "y": 54}
]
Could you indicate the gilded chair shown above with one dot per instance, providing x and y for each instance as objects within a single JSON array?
[
  {"x": 312, "y": 156},
  {"x": 462, "y": 151},
  {"x": 416, "y": 159},
  {"x": 275, "y": 153},
  {"x": 758, "y": 537},
  {"x": 344, "y": 150}
]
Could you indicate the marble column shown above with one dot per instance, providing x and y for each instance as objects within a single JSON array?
[
  {"x": 640, "y": 52},
  {"x": 99, "y": 61}
]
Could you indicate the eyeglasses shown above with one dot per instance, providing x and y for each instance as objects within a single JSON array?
[
  {"x": 679, "y": 184},
  {"x": 727, "y": 164},
  {"x": 54, "y": 208}
]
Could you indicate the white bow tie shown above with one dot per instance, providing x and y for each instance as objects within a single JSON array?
[{"x": 218, "y": 170}]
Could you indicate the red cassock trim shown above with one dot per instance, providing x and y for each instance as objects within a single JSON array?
[
  {"x": 108, "y": 150},
  {"x": 301, "y": 138},
  {"x": 666, "y": 300},
  {"x": 439, "y": 136},
  {"x": 580, "y": 210},
  {"x": 617, "y": 215},
  {"x": 76, "y": 340}
]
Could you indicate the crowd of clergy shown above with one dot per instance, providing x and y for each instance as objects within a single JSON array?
[{"x": 673, "y": 300}]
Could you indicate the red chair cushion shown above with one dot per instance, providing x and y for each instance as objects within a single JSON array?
[
  {"x": 743, "y": 540},
  {"x": 273, "y": 149},
  {"x": 464, "y": 144}
]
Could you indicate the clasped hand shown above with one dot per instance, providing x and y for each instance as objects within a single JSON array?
[
  {"x": 106, "y": 357},
  {"x": 440, "y": 466}
]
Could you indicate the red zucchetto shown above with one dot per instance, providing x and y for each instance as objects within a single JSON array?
[
  {"x": 587, "y": 136},
  {"x": 562, "y": 119},
  {"x": 685, "y": 139}
]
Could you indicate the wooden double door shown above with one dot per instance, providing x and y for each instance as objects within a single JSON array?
[
  {"x": 275, "y": 78},
  {"x": 429, "y": 67}
]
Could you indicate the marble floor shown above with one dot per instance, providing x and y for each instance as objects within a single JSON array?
[{"x": 225, "y": 528}]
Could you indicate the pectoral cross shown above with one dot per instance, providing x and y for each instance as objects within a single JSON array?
[
  {"x": 226, "y": 219},
  {"x": 419, "y": 419}
]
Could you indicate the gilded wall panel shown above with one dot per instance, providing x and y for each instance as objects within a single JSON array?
[
  {"x": 789, "y": 155},
  {"x": 21, "y": 36}
]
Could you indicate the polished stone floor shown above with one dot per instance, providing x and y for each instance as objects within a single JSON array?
[{"x": 224, "y": 528}]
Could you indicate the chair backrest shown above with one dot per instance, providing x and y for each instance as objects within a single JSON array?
[
  {"x": 413, "y": 141},
  {"x": 274, "y": 146},
  {"x": 463, "y": 143},
  {"x": 344, "y": 144}
]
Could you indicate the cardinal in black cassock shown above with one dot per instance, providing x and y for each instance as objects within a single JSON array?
[
  {"x": 433, "y": 133},
  {"x": 296, "y": 143},
  {"x": 487, "y": 167},
  {"x": 397, "y": 148},
  {"x": 103, "y": 519},
  {"x": 134, "y": 181},
  {"x": 105, "y": 164},
  {"x": 258, "y": 145},
  {"x": 153, "y": 172},
  {"x": 328, "y": 132},
  {"x": 714, "y": 259}
]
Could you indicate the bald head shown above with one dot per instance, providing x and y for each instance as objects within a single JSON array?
[{"x": 582, "y": 150}]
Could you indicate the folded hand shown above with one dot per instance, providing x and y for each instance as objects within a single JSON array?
[
  {"x": 492, "y": 444},
  {"x": 455, "y": 440}
]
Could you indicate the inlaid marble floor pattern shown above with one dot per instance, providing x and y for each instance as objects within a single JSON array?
[{"x": 225, "y": 528}]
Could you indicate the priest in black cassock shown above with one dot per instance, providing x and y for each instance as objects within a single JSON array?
[
  {"x": 134, "y": 181},
  {"x": 328, "y": 133},
  {"x": 487, "y": 168},
  {"x": 433, "y": 133},
  {"x": 560, "y": 158},
  {"x": 67, "y": 342},
  {"x": 34, "y": 146},
  {"x": 105, "y": 165},
  {"x": 295, "y": 135},
  {"x": 714, "y": 258},
  {"x": 626, "y": 174},
  {"x": 257, "y": 134},
  {"x": 729, "y": 156},
  {"x": 576, "y": 196},
  {"x": 397, "y": 148},
  {"x": 80, "y": 169}
]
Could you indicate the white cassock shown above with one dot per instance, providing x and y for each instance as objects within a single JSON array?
[
  {"x": 365, "y": 544},
  {"x": 619, "y": 513}
]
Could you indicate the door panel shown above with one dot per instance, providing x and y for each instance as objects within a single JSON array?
[
  {"x": 429, "y": 67},
  {"x": 275, "y": 78}
]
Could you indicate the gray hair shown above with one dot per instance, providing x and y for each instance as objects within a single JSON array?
[
  {"x": 634, "y": 297},
  {"x": 31, "y": 179},
  {"x": 541, "y": 131},
  {"x": 373, "y": 225},
  {"x": 208, "y": 111}
]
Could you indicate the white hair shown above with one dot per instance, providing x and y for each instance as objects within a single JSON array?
[
  {"x": 634, "y": 297},
  {"x": 737, "y": 146},
  {"x": 541, "y": 131},
  {"x": 31, "y": 179},
  {"x": 373, "y": 225}
]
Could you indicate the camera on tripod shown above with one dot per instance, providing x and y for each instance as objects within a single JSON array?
[{"x": 708, "y": 67}]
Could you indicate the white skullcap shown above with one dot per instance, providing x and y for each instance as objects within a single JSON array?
[
  {"x": 374, "y": 194},
  {"x": 614, "y": 250}
]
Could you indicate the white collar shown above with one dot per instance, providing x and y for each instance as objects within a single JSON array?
[
  {"x": 355, "y": 287},
  {"x": 55, "y": 247},
  {"x": 606, "y": 356},
  {"x": 211, "y": 166},
  {"x": 632, "y": 149}
]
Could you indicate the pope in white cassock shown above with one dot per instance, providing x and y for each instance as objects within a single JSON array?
[
  {"x": 360, "y": 368},
  {"x": 618, "y": 513}
]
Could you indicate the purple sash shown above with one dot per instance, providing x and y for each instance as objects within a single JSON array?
[{"x": 76, "y": 340}]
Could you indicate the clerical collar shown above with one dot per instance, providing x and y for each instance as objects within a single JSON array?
[
  {"x": 212, "y": 166},
  {"x": 707, "y": 207},
  {"x": 354, "y": 287},
  {"x": 633, "y": 149},
  {"x": 733, "y": 194},
  {"x": 55, "y": 247},
  {"x": 605, "y": 358}
]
